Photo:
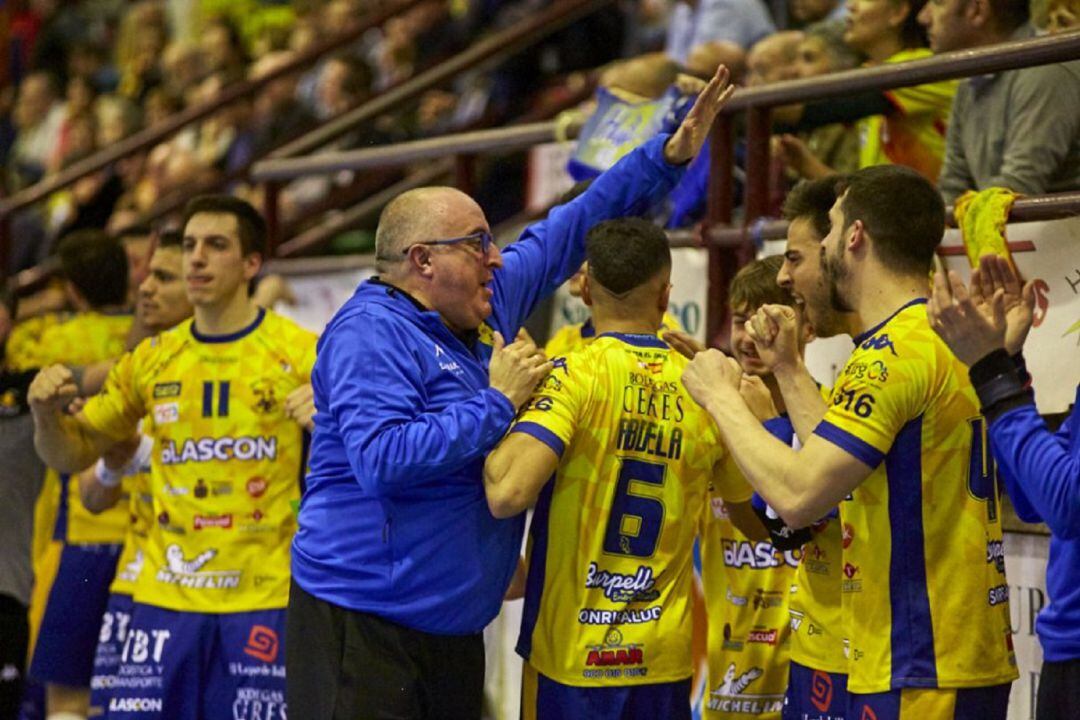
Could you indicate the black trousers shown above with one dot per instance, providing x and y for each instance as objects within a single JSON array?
[
  {"x": 1059, "y": 691},
  {"x": 14, "y": 638},
  {"x": 348, "y": 665}
]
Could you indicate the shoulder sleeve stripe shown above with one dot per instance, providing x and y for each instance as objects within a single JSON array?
[
  {"x": 542, "y": 434},
  {"x": 857, "y": 447}
]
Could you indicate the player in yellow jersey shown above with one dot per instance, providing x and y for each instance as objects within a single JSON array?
[
  {"x": 209, "y": 605},
  {"x": 577, "y": 335},
  {"x": 747, "y": 579},
  {"x": 925, "y": 600},
  {"x": 161, "y": 303},
  {"x": 817, "y": 683},
  {"x": 95, "y": 271},
  {"x": 606, "y": 624}
]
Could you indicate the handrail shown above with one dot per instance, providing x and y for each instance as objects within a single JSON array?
[
  {"x": 490, "y": 49},
  {"x": 1053, "y": 206},
  {"x": 347, "y": 219},
  {"x": 507, "y": 139},
  {"x": 1010, "y": 55},
  {"x": 153, "y": 135}
]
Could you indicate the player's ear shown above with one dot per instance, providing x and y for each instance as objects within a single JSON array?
[
  {"x": 665, "y": 297},
  {"x": 586, "y": 290}
]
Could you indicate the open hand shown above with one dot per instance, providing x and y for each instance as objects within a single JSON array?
[{"x": 688, "y": 140}]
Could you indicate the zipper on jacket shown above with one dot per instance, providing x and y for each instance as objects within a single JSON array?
[{"x": 386, "y": 531}]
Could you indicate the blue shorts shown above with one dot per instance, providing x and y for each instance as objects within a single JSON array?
[
  {"x": 815, "y": 694},
  {"x": 986, "y": 703},
  {"x": 64, "y": 654},
  {"x": 544, "y": 699},
  {"x": 114, "y": 627},
  {"x": 195, "y": 666}
]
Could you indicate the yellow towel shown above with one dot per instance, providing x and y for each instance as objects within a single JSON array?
[{"x": 981, "y": 217}]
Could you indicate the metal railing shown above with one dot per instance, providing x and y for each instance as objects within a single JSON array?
[
  {"x": 488, "y": 51},
  {"x": 151, "y": 136},
  {"x": 757, "y": 103}
]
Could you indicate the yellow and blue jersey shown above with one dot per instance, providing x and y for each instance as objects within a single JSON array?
[
  {"x": 569, "y": 338},
  {"x": 609, "y": 592},
  {"x": 746, "y": 598},
  {"x": 140, "y": 509},
  {"x": 817, "y": 622},
  {"x": 226, "y": 464},
  {"x": 24, "y": 343},
  {"x": 817, "y": 625},
  {"x": 82, "y": 339},
  {"x": 924, "y": 594}
]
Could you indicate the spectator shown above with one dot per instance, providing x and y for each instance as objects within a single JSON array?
[
  {"x": 773, "y": 59},
  {"x": 705, "y": 58},
  {"x": 1018, "y": 129},
  {"x": 905, "y": 126},
  {"x": 38, "y": 117},
  {"x": 345, "y": 81},
  {"x": 278, "y": 115},
  {"x": 1062, "y": 16},
  {"x": 223, "y": 50},
  {"x": 829, "y": 148},
  {"x": 181, "y": 68},
  {"x": 695, "y": 22},
  {"x": 806, "y": 12}
]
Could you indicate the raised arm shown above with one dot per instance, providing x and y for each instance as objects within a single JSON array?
[
  {"x": 774, "y": 330},
  {"x": 65, "y": 442},
  {"x": 551, "y": 250},
  {"x": 802, "y": 486}
]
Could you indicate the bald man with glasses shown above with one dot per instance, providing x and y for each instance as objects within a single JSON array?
[{"x": 398, "y": 564}]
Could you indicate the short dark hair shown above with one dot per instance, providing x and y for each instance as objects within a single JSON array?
[
  {"x": 252, "y": 226},
  {"x": 812, "y": 200},
  {"x": 625, "y": 253},
  {"x": 170, "y": 239},
  {"x": 96, "y": 264},
  {"x": 1010, "y": 14},
  {"x": 755, "y": 285},
  {"x": 134, "y": 231},
  {"x": 901, "y": 210}
]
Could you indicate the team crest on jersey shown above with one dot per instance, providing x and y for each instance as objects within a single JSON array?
[
  {"x": 265, "y": 400},
  {"x": 165, "y": 413},
  {"x": 732, "y": 695}
]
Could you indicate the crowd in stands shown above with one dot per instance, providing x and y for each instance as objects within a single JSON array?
[{"x": 86, "y": 74}]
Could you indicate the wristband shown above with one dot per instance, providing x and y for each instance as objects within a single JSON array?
[
  {"x": 140, "y": 461},
  {"x": 105, "y": 476}
]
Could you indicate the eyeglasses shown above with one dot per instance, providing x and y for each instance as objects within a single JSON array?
[{"x": 480, "y": 242}]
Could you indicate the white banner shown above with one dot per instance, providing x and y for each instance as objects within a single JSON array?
[
  {"x": 1025, "y": 566},
  {"x": 689, "y": 292}
]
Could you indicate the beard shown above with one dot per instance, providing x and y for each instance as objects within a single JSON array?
[{"x": 834, "y": 274}]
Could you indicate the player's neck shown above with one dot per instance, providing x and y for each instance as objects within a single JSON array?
[
  {"x": 879, "y": 299},
  {"x": 638, "y": 325},
  {"x": 227, "y": 317}
]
